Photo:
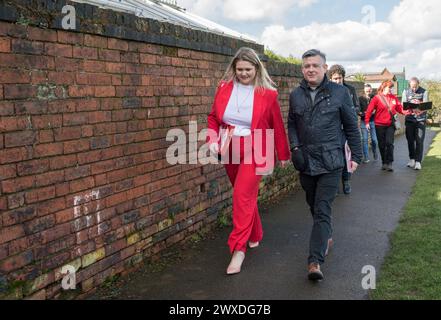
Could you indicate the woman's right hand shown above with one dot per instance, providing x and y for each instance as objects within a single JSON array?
[{"x": 368, "y": 127}]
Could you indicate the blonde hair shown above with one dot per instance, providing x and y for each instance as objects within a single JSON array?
[{"x": 262, "y": 79}]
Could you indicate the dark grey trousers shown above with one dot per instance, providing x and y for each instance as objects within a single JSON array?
[{"x": 320, "y": 193}]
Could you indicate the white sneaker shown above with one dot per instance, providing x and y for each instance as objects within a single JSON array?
[
  {"x": 417, "y": 166},
  {"x": 411, "y": 163}
]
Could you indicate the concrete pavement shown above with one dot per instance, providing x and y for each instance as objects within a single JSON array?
[{"x": 276, "y": 269}]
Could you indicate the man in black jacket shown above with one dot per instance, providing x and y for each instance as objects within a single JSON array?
[
  {"x": 365, "y": 99},
  {"x": 337, "y": 75},
  {"x": 318, "y": 110}
]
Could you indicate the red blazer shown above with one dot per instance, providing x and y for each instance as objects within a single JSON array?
[
  {"x": 382, "y": 115},
  {"x": 266, "y": 115}
]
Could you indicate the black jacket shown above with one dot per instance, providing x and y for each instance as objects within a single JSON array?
[
  {"x": 354, "y": 97},
  {"x": 364, "y": 103},
  {"x": 316, "y": 128}
]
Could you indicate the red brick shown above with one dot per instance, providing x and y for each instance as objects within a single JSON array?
[
  {"x": 87, "y": 105},
  {"x": 47, "y": 122},
  {"x": 31, "y": 107},
  {"x": 38, "y": 225},
  {"x": 104, "y": 91},
  {"x": 40, "y": 194},
  {"x": 76, "y": 146},
  {"x": 27, "y": 47},
  {"x": 19, "y": 216},
  {"x": 14, "y": 76},
  {"x": 49, "y": 149},
  {"x": 85, "y": 53},
  {"x": 58, "y": 50},
  {"x": 131, "y": 57},
  {"x": 64, "y": 215},
  {"x": 51, "y": 206},
  {"x": 94, "y": 66},
  {"x": 61, "y": 77},
  {"x": 116, "y": 199},
  {"x": 5, "y": 45},
  {"x": 63, "y": 162},
  {"x": 95, "y": 41},
  {"x": 3, "y": 251},
  {"x": 109, "y": 55},
  {"x": 77, "y": 172},
  {"x": 62, "y": 189},
  {"x": 39, "y": 77},
  {"x": 70, "y": 37},
  {"x": 21, "y": 138},
  {"x": 133, "y": 68},
  {"x": 12, "y": 155},
  {"x": 115, "y": 67},
  {"x": 81, "y": 91},
  {"x": 118, "y": 44},
  {"x": 49, "y": 178},
  {"x": 148, "y": 58},
  {"x": 100, "y": 116},
  {"x": 56, "y": 232},
  {"x": 8, "y": 172},
  {"x": 13, "y": 123},
  {"x": 33, "y": 167},
  {"x": 68, "y": 64},
  {"x": 18, "y": 184},
  {"x": 6, "y": 108},
  {"x": 145, "y": 48},
  {"x": 42, "y": 35},
  {"x": 27, "y": 61},
  {"x": 17, "y": 262},
  {"x": 67, "y": 133},
  {"x": 22, "y": 91},
  {"x": 11, "y": 233},
  {"x": 46, "y": 136},
  {"x": 82, "y": 184},
  {"x": 74, "y": 119}
]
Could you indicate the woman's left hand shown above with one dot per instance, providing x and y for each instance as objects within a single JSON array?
[{"x": 284, "y": 163}]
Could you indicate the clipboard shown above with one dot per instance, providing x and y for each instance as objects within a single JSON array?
[{"x": 421, "y": 106}]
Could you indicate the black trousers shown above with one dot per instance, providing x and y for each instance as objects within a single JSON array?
[
  {"x": 320, "y": 191},
  {"x": 415, "y": 134},
  {"x": 386, "y": 136}
]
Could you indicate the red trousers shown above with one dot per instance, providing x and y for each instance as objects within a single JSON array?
[{"x": 246, "y": 220}]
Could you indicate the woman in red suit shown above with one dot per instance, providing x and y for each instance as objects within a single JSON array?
[
  {"x": 247, "y": 100},
  {"x": 386, "y": 106}
]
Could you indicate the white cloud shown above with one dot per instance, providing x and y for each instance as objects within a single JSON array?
[
  {"x": 410, "y": 37},
  {"x": 244, "y": 10}
]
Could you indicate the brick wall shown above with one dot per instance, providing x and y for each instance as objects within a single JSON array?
[{"x": 83, "y": 119}]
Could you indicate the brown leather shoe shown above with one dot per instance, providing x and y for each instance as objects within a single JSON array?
[
  {"x": 314, "y": 272},
  {"x": 329, "y": 247}
]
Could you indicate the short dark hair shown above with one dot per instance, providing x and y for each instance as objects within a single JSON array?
[
  {"x": 338, "y": 69},
  {"x": 367, "y": 85},
  {"x": 313, "y": 53}
]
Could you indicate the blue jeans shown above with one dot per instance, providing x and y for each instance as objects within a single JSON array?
[{"x": 365, "y": 139}]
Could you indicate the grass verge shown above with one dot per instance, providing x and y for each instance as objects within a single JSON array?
[{"x": 412, "y": 268}]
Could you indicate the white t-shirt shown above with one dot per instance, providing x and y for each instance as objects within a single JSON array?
[{"x": 239, "y": 111}]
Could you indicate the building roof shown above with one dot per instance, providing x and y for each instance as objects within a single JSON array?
[
  {"x": 385, "y": 74},
  {"x": 167, "y": 11}
]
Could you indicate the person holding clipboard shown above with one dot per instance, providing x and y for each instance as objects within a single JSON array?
[
  {"x": 246, "y": 107},
  {"x": 415, "y": 121}
]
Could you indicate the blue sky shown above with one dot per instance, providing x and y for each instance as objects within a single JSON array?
[
  {"x": 405, "y": 33},
  {"x": 326, "y": 11}
]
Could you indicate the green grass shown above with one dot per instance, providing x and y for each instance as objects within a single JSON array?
[{"x": 412, "y": 268}]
